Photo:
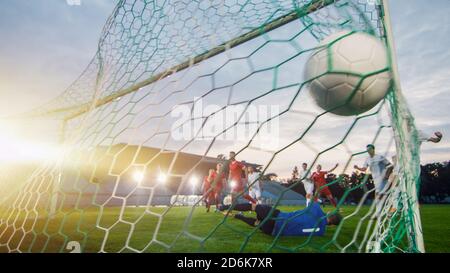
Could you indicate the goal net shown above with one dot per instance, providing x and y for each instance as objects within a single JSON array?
[{"x": 173, "y": 87}]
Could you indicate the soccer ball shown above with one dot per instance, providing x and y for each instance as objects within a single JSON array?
[{"x": 343, "y": 60}]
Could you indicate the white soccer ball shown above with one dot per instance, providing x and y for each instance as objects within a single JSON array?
[{"x": 337, "y": 67}]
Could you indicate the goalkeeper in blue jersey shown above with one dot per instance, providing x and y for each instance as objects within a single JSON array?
[{"x": 311, "y": 220}]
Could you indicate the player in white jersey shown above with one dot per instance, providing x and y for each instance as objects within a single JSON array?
[
  {"x": 307, "y": 183},
  {"x": 254, "y": 184},
  {"x": 381, "y": 169},
  {"x": 394, "y": 178}
]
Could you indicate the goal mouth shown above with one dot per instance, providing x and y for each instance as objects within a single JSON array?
[{"x": 172, "y": 90}]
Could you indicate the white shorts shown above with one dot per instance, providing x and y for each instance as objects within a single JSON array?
[
  {"x": 380, "y": 186},
  {"x": 309, "y": 187},
  {"x": 227, "y": 200},
  {"x": 396, "y": 195},
  {"x": 255, "y": 193}
]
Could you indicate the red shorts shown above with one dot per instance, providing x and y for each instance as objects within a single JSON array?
[
  {"x": 209, "y": 196},
  {"x": 324, "y": 191},
  {"x": 217, "y": 190}
]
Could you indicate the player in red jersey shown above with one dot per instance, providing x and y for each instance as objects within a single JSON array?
[
  {"x": 217, "y": 184},
  {"x": 208, "y": 191},
  {"x": 320, "y": 183},
  {"x": 236, "y": 179}
]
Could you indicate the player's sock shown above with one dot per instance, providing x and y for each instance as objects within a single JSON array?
[
  {"x": 248, "y": 220},
  {"x": 333, "y": 201},
  {"x": 307, "y": 202}
]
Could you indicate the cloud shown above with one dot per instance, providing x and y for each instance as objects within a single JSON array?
[{"x": 46, "y": 49}]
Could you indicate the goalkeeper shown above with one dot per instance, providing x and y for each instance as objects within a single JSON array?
[{"x": 306, "y": 222}]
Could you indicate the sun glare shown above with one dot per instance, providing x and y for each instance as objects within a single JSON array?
[
  {"x": 15, "y": 148},
  {"x": 138, "y": 176}
]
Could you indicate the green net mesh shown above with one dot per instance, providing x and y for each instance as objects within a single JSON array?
[{"x": 118, "y": 134}]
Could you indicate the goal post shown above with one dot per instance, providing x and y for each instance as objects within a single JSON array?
[{"x": 406, "y": 136}]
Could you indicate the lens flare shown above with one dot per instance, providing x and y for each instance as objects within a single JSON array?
[
  {"x": 138, "y": 176},
  {"x": 194, "y": 181},
  {"x": 162, "y": 178}
]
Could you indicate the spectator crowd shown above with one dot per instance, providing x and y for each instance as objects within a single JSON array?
[{"x": 434, "y": 186}]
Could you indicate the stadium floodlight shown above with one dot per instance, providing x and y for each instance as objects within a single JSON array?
[
  {"x": 138, "y": 176},
  {"x": 162, "y": 178},
  {"x": 194, "y": 181}
]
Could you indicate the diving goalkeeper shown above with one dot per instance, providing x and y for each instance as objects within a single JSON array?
[{"x": 311, "y": 220}]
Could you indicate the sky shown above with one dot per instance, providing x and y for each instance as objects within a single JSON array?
[{"x": 46, "y": 44}]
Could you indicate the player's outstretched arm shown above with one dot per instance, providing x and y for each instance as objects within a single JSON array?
[
  {"x": 388, "y": 172},
  {"x": 334, "y": 168},
  {"x": 250, "y": 221},
  {"x": 436, "y": 138},
  {"x": 363, "y": 169}
]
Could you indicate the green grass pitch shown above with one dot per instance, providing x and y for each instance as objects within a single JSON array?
[{"x": 205, "y": 232}]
